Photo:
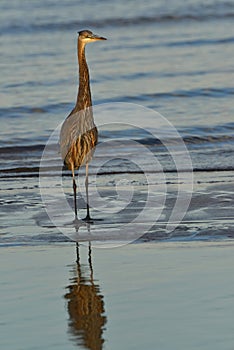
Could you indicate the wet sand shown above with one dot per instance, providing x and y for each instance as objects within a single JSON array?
[
  {"x": 209, "y": 217},
  {"x": 149, "y": 295}
]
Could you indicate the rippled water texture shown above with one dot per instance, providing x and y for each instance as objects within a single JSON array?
[{"x": 173, "y": 57}]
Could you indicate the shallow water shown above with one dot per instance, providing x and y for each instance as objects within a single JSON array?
[
  {"x": 174, "y": 58},
  {"x": 162, "y": 295}
]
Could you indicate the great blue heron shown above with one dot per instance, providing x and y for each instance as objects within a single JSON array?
[{"x": 79, "y": 135}]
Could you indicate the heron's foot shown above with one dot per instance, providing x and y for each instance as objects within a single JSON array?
[{"x": 88, "y": 219}]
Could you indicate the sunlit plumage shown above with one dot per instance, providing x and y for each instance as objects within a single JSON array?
[{"x": 79, "y": 135}]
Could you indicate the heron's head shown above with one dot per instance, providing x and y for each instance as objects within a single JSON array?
[{"x": 86, "y": 36}]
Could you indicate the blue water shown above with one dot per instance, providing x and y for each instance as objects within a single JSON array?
[{"x": 172, "y": 57}]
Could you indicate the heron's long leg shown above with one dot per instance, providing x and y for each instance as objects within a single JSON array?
[
  {"x": 87, "y": 190},
  {"x": 74, "y": 191},
  {"x": 77, "y": 253}
]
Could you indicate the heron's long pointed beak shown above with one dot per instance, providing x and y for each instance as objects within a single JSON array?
[{"x": 97, "y": 37}]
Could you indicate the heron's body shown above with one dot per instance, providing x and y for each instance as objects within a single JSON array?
[
  {"x": 79, "y": 135},
  {"x": 79, "y": 148}
]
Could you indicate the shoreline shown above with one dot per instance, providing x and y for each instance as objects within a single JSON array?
[{"x": 209, "y": 216}]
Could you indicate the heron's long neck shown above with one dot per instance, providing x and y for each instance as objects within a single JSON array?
[{"x": 84, "y": 95}]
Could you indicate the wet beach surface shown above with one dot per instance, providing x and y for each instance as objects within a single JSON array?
[
  {"x": 209, "y": 217},
  {"x": 159, "y": 295}
]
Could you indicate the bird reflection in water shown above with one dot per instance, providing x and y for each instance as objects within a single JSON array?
[{"x": 85, "y": 306}]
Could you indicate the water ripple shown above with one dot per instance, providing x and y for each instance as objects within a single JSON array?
[{"x": 114, "y": 22}]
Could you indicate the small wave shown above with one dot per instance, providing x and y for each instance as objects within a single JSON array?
[
  {"x": 201, "y": 92},
  {"x": 21, "y": 149},
  {"x": 200, "y": 16},
  {"x": 35, "y": 83},
  {"x": 23, "y": 159},
  {"x": 193, "y": 93},
  {"x": 202, "y": 145},
  {"x": 15, "y": 112},
  {"x": 53, "y": 172},
  {"x": 201, "y": 42},
  {"x": 172, "y": 74},
  {"x": 218, "y": 133},
  {"x": 21, "y": 111}
]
